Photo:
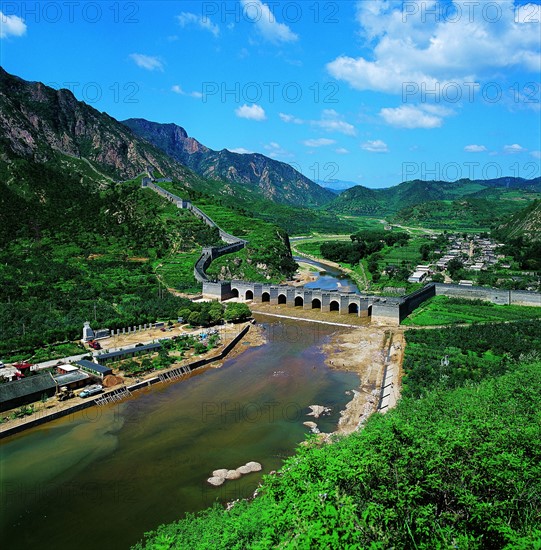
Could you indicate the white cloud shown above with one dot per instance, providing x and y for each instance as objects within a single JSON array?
[
  {"x": 147, "y": 62},
  {"x": 426, "y": 50},
  {"x": 11, "y": 25},
  {"x": 275, "y": 150},
  {"x": 342, "y": 151},
  {"x": 536, "y": 154},
  {"x": 241, "y": 151},
  {"x": 291, "y": 119},
  {"x": 409, "y": 116},
  {"x": 186, "y": 18},
  {"x": 320, "y": 142},
  {"x": 376, "y": 146},
  {"x": 475, "y": 149},
  {"x": 512, "y": 149},
  {"x": 265, "y": 21},
  {"x": 178, "y": 90},
  {"x": 254, "y": 112},
  {"x": 330, "y": 121}
]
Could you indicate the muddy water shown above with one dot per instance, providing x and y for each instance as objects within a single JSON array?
[{"x": 102, "y": 477}]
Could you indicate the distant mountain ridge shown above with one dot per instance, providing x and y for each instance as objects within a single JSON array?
[
  {"x": 360, "y": 200},
  {"x": 275, "y": 180}
]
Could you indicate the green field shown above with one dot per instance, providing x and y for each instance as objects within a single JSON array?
[{"x": 442, "y": 310}]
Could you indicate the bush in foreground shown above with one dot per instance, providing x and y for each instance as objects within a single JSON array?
[{"x": 456, "y": 469}]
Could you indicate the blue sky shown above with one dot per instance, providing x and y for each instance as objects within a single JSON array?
[{"x": 374, "y": 92}]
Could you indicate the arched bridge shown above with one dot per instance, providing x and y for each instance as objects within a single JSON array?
[{"x": 388, "y": 310}]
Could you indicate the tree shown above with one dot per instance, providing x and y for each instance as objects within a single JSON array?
[
  {"x": 194, "y": 318},
  {"x": 454, "y": 267},
  {"x": 184, "y": 313},
  {"x": 424, "y": 250},
  {"x": 237, "y": 312}
]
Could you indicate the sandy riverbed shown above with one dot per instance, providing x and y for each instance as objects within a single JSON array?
[{"x": 364, "y": 351}]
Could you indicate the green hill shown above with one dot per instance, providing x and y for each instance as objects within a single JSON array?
[
  {"x": 80, "y": 239},
  {"x": 525, "y": 223},
  {"x": 502, "y": 196}
]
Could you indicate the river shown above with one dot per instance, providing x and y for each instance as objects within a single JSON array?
[
  {"x": 330, "y": 278},
  {"x": 102, "y": 477}
]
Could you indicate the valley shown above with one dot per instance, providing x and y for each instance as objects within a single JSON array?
[{"x": 405, "y": 318}]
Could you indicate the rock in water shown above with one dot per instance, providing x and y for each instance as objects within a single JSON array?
[
  {"x": 216, "y": 481},
  {"x": 233, "y": 474},
  {"x": 317, "y": 410},
  {"x": 254, "y": 466},
  {"x": 220, "y": 473}
]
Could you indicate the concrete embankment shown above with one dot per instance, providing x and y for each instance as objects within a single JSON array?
[{"x": 117, "y": 393}]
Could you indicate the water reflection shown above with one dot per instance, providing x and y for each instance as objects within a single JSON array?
[{"x": 329, "y": 278}]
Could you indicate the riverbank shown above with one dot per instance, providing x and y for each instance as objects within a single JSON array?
[
  {"x": 370, "y": 352},
  {"x": 248, "y": 335}
]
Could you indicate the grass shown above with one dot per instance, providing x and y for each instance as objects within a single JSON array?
[
  {"x": 442, "y": 310},
  {"x": 177, "y": 272}
]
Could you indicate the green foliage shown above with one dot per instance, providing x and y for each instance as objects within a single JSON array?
[
  {"x": 458, "y": 469},
  {"x": 452, "y": 356},
  {"x": 442, "y": 310},
  {"x": 235, "y": 312},
  {"x": 527, "y": 254}
]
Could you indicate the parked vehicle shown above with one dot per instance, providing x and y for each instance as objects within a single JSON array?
[
  {"x": 94, "y": 345},
  {"x": 91, "y": 390},
  {"x": 64, "y": 394}
]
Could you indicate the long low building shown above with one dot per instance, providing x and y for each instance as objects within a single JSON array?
[
  {"x": 94, "y": 368},
  {"x": 25, "y": 391},
  {"x": 128, "y": 352}
]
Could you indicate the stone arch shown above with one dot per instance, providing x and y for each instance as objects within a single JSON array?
[
  {"x": 235, "y": 292},
  {"x": 316, "y": 303},
  {"x": 249, "y": 295},
  {"x": 299, "y": 301},
  {"x": 282, "y": 299},
  {"x": 353, "y": 308},
  {"x": 265, "y": 297},
  {"x": 334, "y": 306}
]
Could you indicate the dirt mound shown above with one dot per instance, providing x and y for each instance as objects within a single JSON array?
[{"x": 109, "y": 381}]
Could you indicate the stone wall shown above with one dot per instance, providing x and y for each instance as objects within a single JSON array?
[{"x": 209, "y": 253}]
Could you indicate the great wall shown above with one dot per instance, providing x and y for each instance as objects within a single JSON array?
[{"x": 380, "y": 309}]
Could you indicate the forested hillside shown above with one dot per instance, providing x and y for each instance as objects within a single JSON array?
[
  {"x": 464, "y": 201},
  {"x": 79, "y": 239}
]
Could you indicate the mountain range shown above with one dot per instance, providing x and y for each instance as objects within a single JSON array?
[
  {"x": 45, "y": 126},
  {"x": 276, "y": 181}
]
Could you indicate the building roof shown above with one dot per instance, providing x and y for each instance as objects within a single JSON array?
[
  {"x": 68, "y": 368},
  {"x": 127, "y": 351},
  {"x": 71, "y": 378},
  {"x": 26, "y": 386},
  {"x": 90, "y": 365}
]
